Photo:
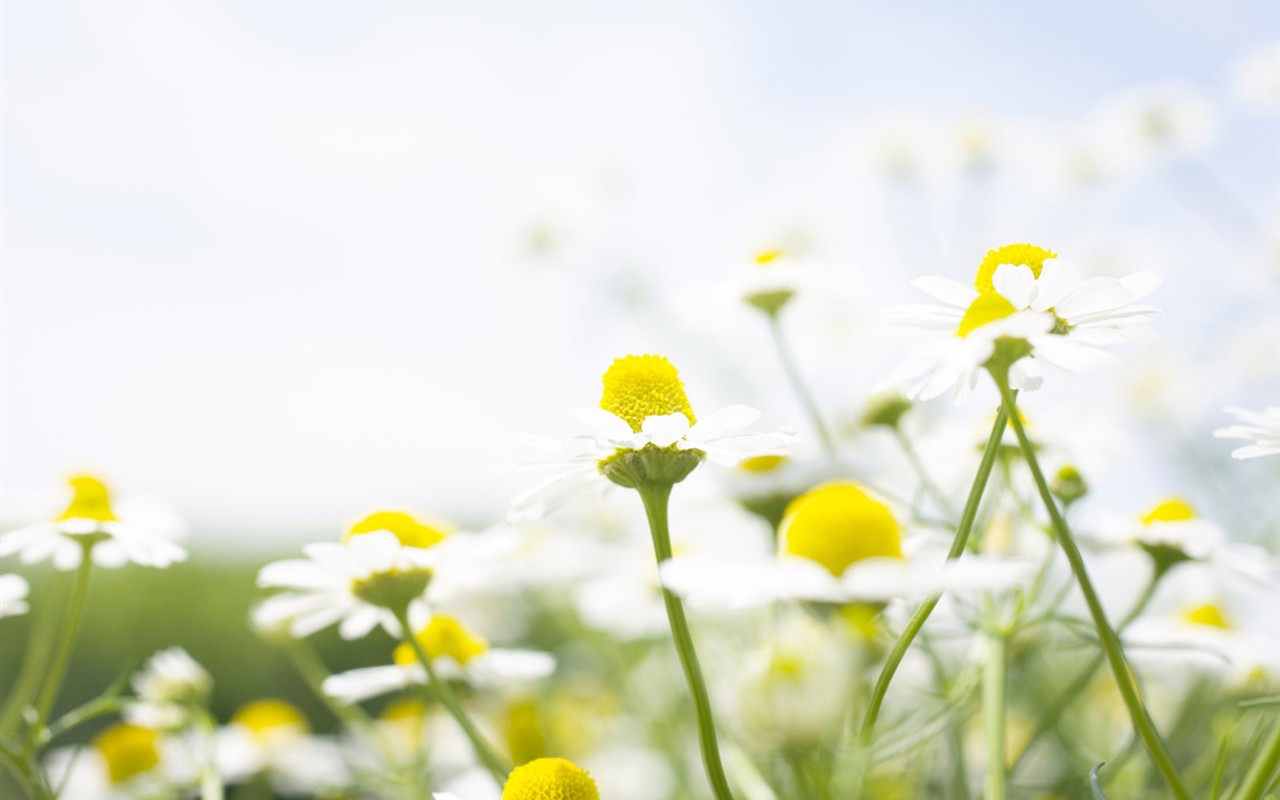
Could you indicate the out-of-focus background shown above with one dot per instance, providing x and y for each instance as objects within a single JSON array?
[{"x": 274, "y": 264}]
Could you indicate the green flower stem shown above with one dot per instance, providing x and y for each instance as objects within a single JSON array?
[
  {"x": 1069, "y": 695},
  {"x": 35, "y": 658},
  {"x": 66, "y": 640},
  {"x": 1110, "y": 641},
  {"x": 926, "y": 481},
  {"x": 958, "y": 545},
  {"x": 994, "y": 682},
  {"x": 1261, "y": 773},
  {"x": 313, "y": 671},
  {"x": 798, "y": 385},
  {"x": 496, "y": 764},
  {"x": 655, "y": 497},
  {"x": 211, "y": 787}
]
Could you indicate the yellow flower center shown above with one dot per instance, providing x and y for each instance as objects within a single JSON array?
[
  {"x": 987, "y": 307},
  {"x": 769, "y": 256},
  {"x": 639, "y": 387},
  {"x": 129, "y": 750},
  {"x": 410, "y": 532},
  {"x": 1172, "y": 510},
  {"x": 444, "y": 636},
  {"x": 838, "y": 524},
  {"x": 271, "y": 719},
  {"x": 762, "y": 463},
  {"x": 525, "y": 741},
  {"x": 1027, "y": 255},
  {"x": 406, "y": 710},
  {"x": 1207, "y": 614},
  {"x": 550, "y": 779},
  {"x": 90, "y": 500}
]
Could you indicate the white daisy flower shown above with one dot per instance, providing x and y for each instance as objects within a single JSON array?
[
  {"x": 167, "y": 687},
  {"x": 1263, "y": 427},
  {"x": 384, "y": 562},
  {"x": 543, "y": 779},
  {"x": 271, "y": 739},
  {"x": 644, "y": 412},
  {"x": 837, "y": 544},
  {"x": 455, "y": 651},
  {"x": 1255, "y": 79},
  {"x": 13, "y": 595},
  {"x": 89, "y": 519},
  {"x": 1022, "y": 292},
  {"x": 122, "y": 762},
  {"x": 1158, "y": 122}
]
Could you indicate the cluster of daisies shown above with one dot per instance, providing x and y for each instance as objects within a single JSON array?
[{"x": 795, "y": 624}]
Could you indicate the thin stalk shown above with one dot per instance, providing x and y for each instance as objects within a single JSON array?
[
  {"x": 1260, "y": 775},
  {"x": 211, "y": 787},
  {"x": 496, "y": 764},
  {"x": 66, "y": 640},
  {"x": 313, "y": 671},
  {"x": 994, "y": 683},
  {"x": 655, "y": 498},
  {"x": 35, "y": 658},
  {"x": 798, "y": 385},
  {"x": 926, "y": 482},
  {"x": 958, "y": 545},
  {"x": 1110, "y": 641}
]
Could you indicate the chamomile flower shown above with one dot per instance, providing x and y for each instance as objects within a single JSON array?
[
  {"x": 90, "y": 521},
  {"x": 123, "y": 761},
  {"x": 384, "y": 563},
  {"x": 13, "y": 595},
  {"x": 168, "y": 687},
  {"x": 545, "y": 779},
  {"x": 1263, "y": 427},
  {"x": 271, "y": 739},
  {"x": 646, "y": 429},
  {"x": 838, "y": 543},
  {"x": 455, "y": 652}
]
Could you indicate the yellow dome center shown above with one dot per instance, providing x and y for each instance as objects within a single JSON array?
[
  {"x": 1173, "y": 510},
  {"x": 90, "y": 500},
  {"x": 411, "y": 532},
  {"x": 269, "y": 719},
  {"x": 128, "y": 750},
  {"x": 768, "y": 256},
  {"x": 1027, "y": 255},
  {"x": 1207, "y": 614},
  {"x": 444, "y": 636},
  {"x": 987, "y": 307},
  {"x": 762, "y": 463},
  {"x": 838, "y": 524},
  {"x": 639, "y": 387},
  {"x": 550, "y": 779}
]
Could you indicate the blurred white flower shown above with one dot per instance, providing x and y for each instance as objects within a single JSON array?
[
  {"x": 271, "y": 740},
  {"x": 169, "y": 684},
  {"x": 124, "y": 762},
  {"x": 1255, "y": 79},
  {"x": 386, "y": 561},
  {"x": 644, "y": 410},
  {"x": 1158, "y": 122},
  {"x": 90, "y": 519},
  {"x": 456, "y": 652},
  {"x": 1262, "y": 427},
  {"x": 13, "y": 595}
]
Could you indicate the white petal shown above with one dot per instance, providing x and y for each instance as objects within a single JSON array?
[
  {"x": 1016, "y": 282},
  {"x": 607, "y": 426},
  {"x": 1057, "y": 279},
  {"x": 723, "y": 421},
  {"x": 948, "y": 291},
  {"x": 666, "y": 429},
  {"x": 357, "y": 685}
]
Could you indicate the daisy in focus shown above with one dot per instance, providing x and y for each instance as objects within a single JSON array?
[
  {"x": 1260, "y": 427},
  {"x": 13, "y": 595},
  {"x": 838, "y": 543},
  {"x": 544, "y": 779},
  {"x": 383, "y": 565},
  {"x": 645, "y": 429},
  {"x": 455, "y": 651},
  {"x": 1022, "y": 292},
  {"x": 90, "y": 524}
]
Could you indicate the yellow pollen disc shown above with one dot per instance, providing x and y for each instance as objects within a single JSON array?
[
  {"x": 270, "y": 718},
  {"x": 444, "y": 636},
  {"x": 639, "y": 387},
  {"x": 129, "y": 750},
  {"x": 1173, "y": 510},
  {"x": 786, "y": 666},
  {"x": 769, "y": 256},
  {"x": 762, "y": 463},
  {"x": 838, "y": 524},
  {"x": 406, "y": 710},
  {"x": 410, "y": 531},
  {"x": 988, "y": 307},
  {"x": 1027, "y": 255},
  {"x": 550, "y": 779},
  {"x": 1207, "y": 614},
  {"x": 90, "y": 500}
]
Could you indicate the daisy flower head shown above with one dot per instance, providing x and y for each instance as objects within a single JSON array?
[
  {"x": 380, "y": 570},
  {"x": 455, "y": 651},
  {"x": 838, "y": 543},
  {"x": 550, "y": 779},
  {"x": 1262, "y": 427},
  {"x": 170, "y": 684},
  {"x": 272, "y": 739},
  {"x": 770, "y": 284},
  {"x": 1037, "y": 307},
  {"x": 123, "y": 761},
  {"x": 13, "y": 595},
  {"x": 90, "y": 524},
  {"x": 645, "y": 432}
]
